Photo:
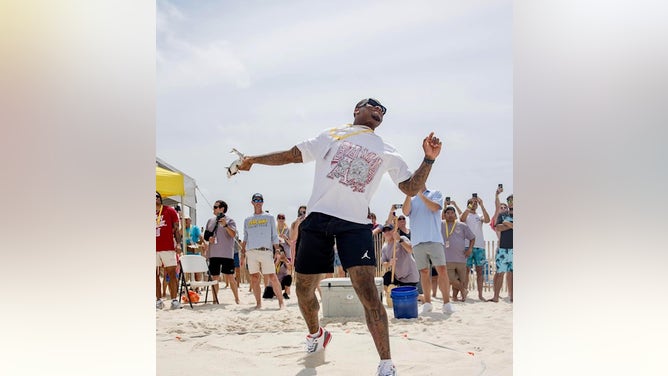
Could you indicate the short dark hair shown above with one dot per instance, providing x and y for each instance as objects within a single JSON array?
[
  {"x": 221, "y": 204},
  {"x": 449, "y": 208}
]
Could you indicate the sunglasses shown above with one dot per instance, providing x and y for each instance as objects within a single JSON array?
[
  {"x": 281, "y": 217},
  {"x": 373, "y": 103},
  {"x": 157, "y": 196},
  {"x": 258, "y": 200},
  {"x": 217, "y": 207}
]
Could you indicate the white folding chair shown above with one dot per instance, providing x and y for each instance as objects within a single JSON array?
[{"x": 191, "y": 264}]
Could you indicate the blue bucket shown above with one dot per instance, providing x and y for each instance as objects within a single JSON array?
[{"x": 404, "y": 302}]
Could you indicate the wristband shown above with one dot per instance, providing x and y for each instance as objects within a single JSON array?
[{"x": 428, "y": 161}]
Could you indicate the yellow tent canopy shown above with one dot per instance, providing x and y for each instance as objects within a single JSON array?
[{"x": 168, "y": 183}]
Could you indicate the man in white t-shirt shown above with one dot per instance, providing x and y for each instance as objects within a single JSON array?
[
  {"x": 477, "y": 258},
  {"x": 349, "y": 163}
]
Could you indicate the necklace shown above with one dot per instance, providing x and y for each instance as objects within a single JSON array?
[
  {"x": 157, "y": 218},
  {"x": 344, "y": 132}
]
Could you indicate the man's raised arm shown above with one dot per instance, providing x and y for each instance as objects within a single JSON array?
[
  {"x": 293, "y": 155},
  {"x": 432, "y": 148}
]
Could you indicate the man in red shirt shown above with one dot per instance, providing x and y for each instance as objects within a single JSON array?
[{"x": 167, "y": 240}]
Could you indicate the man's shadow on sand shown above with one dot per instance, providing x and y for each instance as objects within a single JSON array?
[{"x": 310, "y": 363}]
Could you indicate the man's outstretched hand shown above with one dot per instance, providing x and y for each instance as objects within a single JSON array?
[{"x": 431, "y": 146}]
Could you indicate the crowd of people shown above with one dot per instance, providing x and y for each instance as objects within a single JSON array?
[{"x": 437, "y": 252}]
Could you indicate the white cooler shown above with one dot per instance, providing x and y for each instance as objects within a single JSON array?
[{"x": 340, "y": 300}]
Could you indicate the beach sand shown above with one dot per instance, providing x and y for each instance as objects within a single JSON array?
[{"x": 231, "y": 339}]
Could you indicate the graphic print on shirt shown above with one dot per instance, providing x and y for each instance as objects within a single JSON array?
[
  {"x": 258, "y": 222},
  {"x": 160, "y": 223},
  {"x": 354, "y": 166}
]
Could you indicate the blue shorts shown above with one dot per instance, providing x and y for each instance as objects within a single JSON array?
[
  {"x": 236, "y": 260},
  {"x": 504, "y": 260},
  {"x": 477, "y": 258},
  {"x": 315, "y": 244}
]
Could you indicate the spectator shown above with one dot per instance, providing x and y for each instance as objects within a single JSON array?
[
  {"x": 478, "y": 258},
  {"x": 167, "y": 245},
  {"x": 424, "y": 211},
  {"x": 221, "y": 231},
  {"x": 194, "y": 238},
  {"x": 455, "y": 234},
  {"x": 504, "y": 257},
  {"x": 283, "y": 273},
  {"x": 397, "y": 254},
  {"x": 194, "y": 241},
  {"x": 294, "y": 230},
  {"x": 237, "y": 270},
  {"x": 376, "y": 227},
  {"x": 260, "y": 242},
  {"x": 499, "y": 208},
  {"x": 283, "y": 234},
  {"x": 450, "y": 202}
]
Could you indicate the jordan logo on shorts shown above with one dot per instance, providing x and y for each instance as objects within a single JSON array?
[{"x": 366, "y": 255}]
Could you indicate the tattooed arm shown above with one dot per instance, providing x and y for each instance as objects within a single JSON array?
[
  {"x": 278, "y": 158},
  {"x": 432, "y": 148}
]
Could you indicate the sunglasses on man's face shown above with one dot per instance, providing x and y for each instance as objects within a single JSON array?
[
  {"x": 256, "y": 200},
  {"x": 216, "y": 207},
  {"x": 374, "y": 103}
]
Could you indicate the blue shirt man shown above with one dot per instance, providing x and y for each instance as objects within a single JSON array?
[{"x": 424, "y": 209}]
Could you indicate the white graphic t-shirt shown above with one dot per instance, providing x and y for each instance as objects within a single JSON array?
[{"x": 349, "y": 164}]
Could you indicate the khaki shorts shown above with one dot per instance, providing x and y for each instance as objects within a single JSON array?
[
  {"x": 424, "y": 252},
  {"x": 456, "y": 271},
  {"x": 165, "y": 258},
  {"x": 260, "y": 261}
]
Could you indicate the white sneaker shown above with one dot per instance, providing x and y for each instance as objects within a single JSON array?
[
  {"x": 448, "y": 308},
  {"x": 175, "y": 304},
  {"x": 159, "y": 304},
  {"x": 317, "y": 344},
  {"x": 427, "y": 307},
  {"x": 387, "y": 370}
]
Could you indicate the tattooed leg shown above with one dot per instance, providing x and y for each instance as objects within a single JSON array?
[
  {"x": 362, "y": 278},
  {"x": 308, "y": 303}
]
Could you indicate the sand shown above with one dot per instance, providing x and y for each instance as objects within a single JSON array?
[{"x": 231, "y": 339}]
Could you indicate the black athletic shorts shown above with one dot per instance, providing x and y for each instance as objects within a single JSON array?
[
  {"x": 218, "y": 264},
  {"x": 315, "y": 244}
]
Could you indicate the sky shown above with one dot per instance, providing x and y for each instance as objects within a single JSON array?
[{"x": 262, "y": 76}]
